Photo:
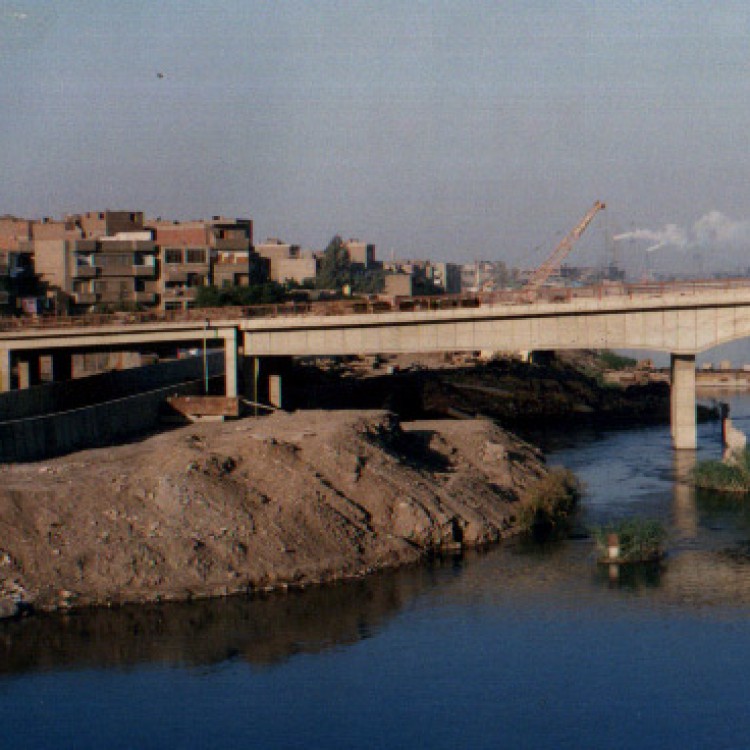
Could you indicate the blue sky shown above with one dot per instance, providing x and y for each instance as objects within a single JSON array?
[{"x": 447, "y": 129}]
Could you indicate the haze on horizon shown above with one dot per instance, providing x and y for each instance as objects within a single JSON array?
[{"x": 454, "y": 130}]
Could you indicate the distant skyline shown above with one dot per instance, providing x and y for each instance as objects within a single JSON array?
[{"x": 456, "y": 130}]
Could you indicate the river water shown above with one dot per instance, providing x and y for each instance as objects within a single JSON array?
[{"x": 524, "y": 646}]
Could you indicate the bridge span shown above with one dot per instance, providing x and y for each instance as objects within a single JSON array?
[{"x": 681, "y": 319}]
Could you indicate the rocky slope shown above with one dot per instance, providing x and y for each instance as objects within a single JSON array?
[{"x": 261, "y": 503}]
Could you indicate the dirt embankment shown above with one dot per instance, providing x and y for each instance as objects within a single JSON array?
[{"x": 287, "y": 500}]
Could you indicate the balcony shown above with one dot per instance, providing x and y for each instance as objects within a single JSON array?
[
  {"x": 232, "y": 244},
  {"x": 181, "y": 293},
  {"x": 144, "y": 298},
  {"x": 175, "y": 274},
  {"x": 107, "y": 246},
  {"x": 179, "y": 272},
  {"x": 137, "y": 272},
  {"x": 84, "y": 298},
  {"x": 84, "y": 272}
]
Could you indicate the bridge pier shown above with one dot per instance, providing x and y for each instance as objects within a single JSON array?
[
  {"x": 230, "y": 362},
  {"x": 5, "y": 370},
  {"x": 683, "y": 422},
  {"x": 263, "y": 378},
  {"x": 29, "y": 370}
]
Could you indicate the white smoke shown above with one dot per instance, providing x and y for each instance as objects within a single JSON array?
[{"x": 714, "y": 230}]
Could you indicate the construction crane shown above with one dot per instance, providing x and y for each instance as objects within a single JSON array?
[{"x": 553, "y": 263}]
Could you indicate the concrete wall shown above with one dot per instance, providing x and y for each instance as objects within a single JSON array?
[
  {"x": 38, "y": 438},
  {"x": 71, "y": 394}
]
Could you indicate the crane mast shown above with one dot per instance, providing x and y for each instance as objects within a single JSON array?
[{"x": 553, "y": 263}]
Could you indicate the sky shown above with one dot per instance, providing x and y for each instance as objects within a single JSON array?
[{"x": 452, "y": 130}]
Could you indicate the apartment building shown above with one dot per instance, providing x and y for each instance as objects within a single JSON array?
[
  {"x": 16, "y": 262},
  {"x": 360, "y": 253},
  {"x": 285, "y": 262},
  {"x": 193, "y": 254}
]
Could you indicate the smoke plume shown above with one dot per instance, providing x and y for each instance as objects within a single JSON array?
[{"x": 714, "y": 230}]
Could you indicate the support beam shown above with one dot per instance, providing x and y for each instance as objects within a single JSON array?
[
  {"x": 683, "y": 402},
  {"x": 230, "y": 362}
]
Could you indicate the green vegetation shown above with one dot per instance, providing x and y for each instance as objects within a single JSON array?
[
  {"x": 337, "y": 271},
  {"x": 552, "y": 500},
  {"x": 613, "y": 361},
  {"x": 731, "y": 476},
  {"x": 641, "y": 540},
  {"x": 256, "y": 294}
]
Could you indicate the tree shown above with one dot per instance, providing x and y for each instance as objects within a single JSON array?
[
  {"x": 256, "y": 294},
  {"x": 336, "y": 266}
]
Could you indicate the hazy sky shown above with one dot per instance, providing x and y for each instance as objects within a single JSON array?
[{"x": 450, "y": 129}]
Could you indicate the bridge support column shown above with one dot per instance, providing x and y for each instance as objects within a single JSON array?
[
  {"x": 230, "y": 363},
  {"x": 5, "y": 370},
  {"x": 683, "y": 402},
  {"x": 29, "y": 371}
]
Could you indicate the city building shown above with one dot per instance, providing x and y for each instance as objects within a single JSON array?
[
  {"x": 285, "y": 262},
  {"x": 360, "y": 253},
  {"x": 193, "y": 254}
]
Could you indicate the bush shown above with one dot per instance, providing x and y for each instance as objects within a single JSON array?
[
  {"x": 640, "y": 539},
  {"x": 552, "y": 500},
  {"x": 613, "y": 361},
  {"x": 733, "y": 476}
]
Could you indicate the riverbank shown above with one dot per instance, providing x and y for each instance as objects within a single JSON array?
[
  {"x": 288, "y": 500},
  {"x": 567, "y": 388}
]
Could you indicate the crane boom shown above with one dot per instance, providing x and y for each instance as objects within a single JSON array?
[{"x": 555, "y": 260}]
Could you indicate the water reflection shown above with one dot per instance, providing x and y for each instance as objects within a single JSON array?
[
  {"x": 684, "y": 507},
  {"x": 260, "y": 631}
]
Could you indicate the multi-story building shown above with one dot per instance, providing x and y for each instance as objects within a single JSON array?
[
  {"x": 193, "y": 254},
  {"x": 285, "y": 262},
  {"x": 360, "y": 253},
  {"x": 428, "y": 276},
  {"x": 102, "y": 259}
]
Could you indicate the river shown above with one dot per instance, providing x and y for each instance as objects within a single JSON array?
[{"x": 523, "y": 646}]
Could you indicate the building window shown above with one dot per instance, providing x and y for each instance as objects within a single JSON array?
[
  {"x": 195, "y": 255},
  {"x": 173, "y": 255}
]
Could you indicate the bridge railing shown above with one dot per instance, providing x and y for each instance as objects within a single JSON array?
[{"x": 375, "y": 304}]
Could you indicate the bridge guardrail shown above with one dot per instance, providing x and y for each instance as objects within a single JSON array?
[{"x": 377, "y": 305}]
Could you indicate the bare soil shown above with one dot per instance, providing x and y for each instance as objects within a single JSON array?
[{"x": 287, "y": 500}]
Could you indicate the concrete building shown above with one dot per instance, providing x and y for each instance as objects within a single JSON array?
[
  {"x": 445, "y": 276},
  {"x": 285, "y": 262},
  {"x": 112, "y": 272},
  {"x": 15, "y": 233},
  {"x": 360, "y": 253},
  {"x": 235, "y": 262},
  {"x": 193, "y": 254},
  {"x": 94, "y": 224},
  {"x": 399, "y": 284}
]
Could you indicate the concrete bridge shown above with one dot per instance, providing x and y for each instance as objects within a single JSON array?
[{"x": 681, "y": 319}]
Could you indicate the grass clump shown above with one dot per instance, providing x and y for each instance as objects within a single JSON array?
[
  {"x": 640, "y": 540},
  {"x": 614, "y": 361},
  {"x": 552, "y": 500},
  {"x": 725, "y": 476}
]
